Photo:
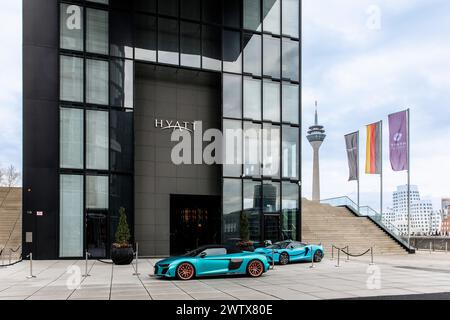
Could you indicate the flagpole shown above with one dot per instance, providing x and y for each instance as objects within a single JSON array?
[
  {"x": 409, "y": 181},
  {"x": 381, "y": 174}
]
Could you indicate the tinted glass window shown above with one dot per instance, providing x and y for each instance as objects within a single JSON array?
[
  {"x": 271, "y": 101},
  {"x": 71, "y": 27},
  {"x": 97, "y": 31},
  {"x": 291, "y": 18},
  {"x": 291, "y": 104},
  {"x": 145, "y": 5},
  {"x": 232, "y": 13},
  {"x": 190, "y": 44},
  {"x": 252, "y": 98},
  {"x": 271, "y": 16},
  {"x": 232, "y": 96},
  {"x": 232, "y": 201},
  {"x": 232, "y": 130},
  {"x": 71, "y": 78},
  {"x": 252, "y": 54},
  {"x": 121, "y": 34},
  {"x": 212, "y": 48},
  {"x": 97, "y": 75},
  {"x": 145, "y": 37},
  {"x": 121, "y": 141},
  {"x": 271, "y": 150},
  {"x": 190, "y": 9},
  {"x": 290, "y": 211},
  {"x": 272, "y": 48},
  {"x": 168, "y": 7},
  {"x": 252, "y": 15},
  {"x": 232, "y": 56},
  {"x": 71, "y": 138},
  {"x": 97, "y": 192},
  {"x": 212, "y": 11},
  {"x": 291, "y": 141},
  {"x": 97, "y": 140},
  {"x": 290, "y": 60},
  {"x": 168, "y": 41},
  {"x": 252, "y": 143},
  {"x": 121, "y": 83}
]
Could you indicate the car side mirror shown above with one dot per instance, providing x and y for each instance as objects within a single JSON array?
[{"x": 202, "y": 255}]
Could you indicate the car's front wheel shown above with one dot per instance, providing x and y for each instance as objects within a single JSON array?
[
  {"x": 284, "y": 258},
  {"x": 255, "y": 268},
  {"x": 318, "y": 256},
  {"x": 185, "y": 271}
]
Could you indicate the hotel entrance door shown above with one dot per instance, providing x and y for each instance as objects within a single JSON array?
[{"x": 194, "y": 221}]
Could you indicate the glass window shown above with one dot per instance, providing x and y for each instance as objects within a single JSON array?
[
  {"x": 232, "y": 96},
  {"x": 291, "y": 103},
  {"x": 271, "y": 150},
  {"x": 145, "y": 38},
  {"x": 168, "y": 7},
  {"x": 212, "y": 48},
  {"x": 251, "y": 219},
  {"x": 232, "y": 208},
  {"x": 190, "y": 9},
  {"x": 168, "y": 41},
  {"x": 71, "y": 216},
  {"x": 272, "y": 48},
  {"x": 145, "y": 5},
  {"x": 252, "y": 54},
  {"x": 71, "y": 87},
  {"x": 252, "y": 98},
  {"x": 232, "y": 13},
  {"x": 271, "y": 16},
  {"x": 121, "y": 83},
  {"x": 290, "y": 210},
  {"x": 252, "y": 15},
  {"x": 290, "y": 19},
  {"x": 121, "y": 34},
  {"x": 252, "y": 149},
  {"x": 99, "y": 1},
  {"x": 97, "y": 192},
  {"x": 290, "y": 60},
  {"x": 97, "y": 31},
  {"x": 212, "y": 11},
  {"x": 232, "y": 56},
  {"x": 97, "y": 76},
  {"x": 232, "y": 162},
  {"x": 271, "y": 197},
  {"x": 71, "y": 138},
  {"x": 190, "y": 44},
  {"x": 121, "y": 141},
  {"x": 97, "y": 140},
  {"x": 291, "y": 144},
  {"x": 71, "y": 27},
  {"x": 271, "y": 101},
  {"x": 121, "y": 195}
]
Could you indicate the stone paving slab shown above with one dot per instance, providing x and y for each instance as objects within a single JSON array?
[{"x": 63, "y": 280}]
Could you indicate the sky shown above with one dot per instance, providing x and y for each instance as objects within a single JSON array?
[{"x": 362, "y": 60}]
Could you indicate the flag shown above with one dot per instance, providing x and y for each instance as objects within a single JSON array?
[
  {"x": 351, "y": 141},
  {"x": 373, "y": 148},
  {"x": 398, "y": 140}
]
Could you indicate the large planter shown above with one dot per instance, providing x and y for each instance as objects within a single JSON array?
[{"x": 122, "y": 256}]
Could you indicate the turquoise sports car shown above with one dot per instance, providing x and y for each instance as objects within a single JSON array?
[
  {"x": 214, "y": 260},
  {"x": 288, "y": 251}
]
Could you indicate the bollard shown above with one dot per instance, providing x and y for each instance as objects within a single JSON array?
[
  {"x": 31, "y": 267},
  {"x": 332, "y": 252},
  {"x": 137, "y": 260},
  {"x": 273, "y": 258},
  {"x": 348, "y": 256},
  {"x": 312, "y": 259},
  {"x": 338, "y": 259},
  {"x": 86, "y": 273},
  {"x": 371, "y": 256}
]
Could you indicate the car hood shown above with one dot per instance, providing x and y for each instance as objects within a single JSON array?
[{"x": 168, "y": 260}]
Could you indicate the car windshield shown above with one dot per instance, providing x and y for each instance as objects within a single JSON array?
[
  {"x": 193, "y": 253},
  {"x": 279, "y": 245}
]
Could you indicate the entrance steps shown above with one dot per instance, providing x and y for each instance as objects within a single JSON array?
[{"x": 328, "y": 225}]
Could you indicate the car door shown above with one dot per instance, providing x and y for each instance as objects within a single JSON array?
[
  {"x": 212, "y": 261},
  {"x": 298, "y": 251}
]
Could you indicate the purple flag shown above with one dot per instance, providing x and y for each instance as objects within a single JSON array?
[{"x": 398, "y": 140}]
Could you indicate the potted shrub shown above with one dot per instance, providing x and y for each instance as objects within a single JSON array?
[{"x": 122, "y": 252}]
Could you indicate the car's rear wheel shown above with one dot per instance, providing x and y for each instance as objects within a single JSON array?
[
  {"x": 255, "y": 268},
  {"x": 318, "y": 255},
  {"x": 284, "y": 258},
  {"x": 185, "y": 271}
]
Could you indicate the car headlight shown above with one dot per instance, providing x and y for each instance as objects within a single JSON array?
[{"x": 163, "y": 265}]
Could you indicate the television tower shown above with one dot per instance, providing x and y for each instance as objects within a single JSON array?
[{"x": 316, "y": 136}]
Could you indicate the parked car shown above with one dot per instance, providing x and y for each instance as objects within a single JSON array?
[
  {"x": 284, "y": 252},
  {"x": 214, "y": 260}
]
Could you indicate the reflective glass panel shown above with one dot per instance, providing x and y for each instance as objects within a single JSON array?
[
  {"x": 190, "y": 9},
  {"x": 121, "y": 34},
  {"x": 290, "y": 210},
  {"x": 252, "y": 54},
  {"x": 232, "y": 53},
  {"x": 291, "y": 17},
  {"x": 168, "y": 7},
  {"x": 97, "y": 31},
  {"x": 232, "y": 164},
  {"x": 190, "y": 44},
  {"x": 232, "y": 13},
  {"x": 271, "y": 101},
  {"x": 291, "y": 144},
  {"x": 71, "y": 27},
  {"x": 71, "y": 79},
  {"x": 271, "y": 16},
  {"x": 121, "y": 124},
  {"x": 71, "y": 138},
  {"x": 271, "y": 150},
  {"x": 252, "y": 149},
  {"x": 272, "y": 48},
  {"x": 251, "y": 219},
  {"x": 252, "y": 15},
  {"x": 212, "y": 48},
  {"x": 291, "y": 59},
  {"x": 291, "y": 104},
  {"x": 232, "y": 208},
  {"x": 168, "y": 41},
  {"x": 252, "y": 98},
  {"x": 121, "y": 83},
  {"x": 212, "y": 11},
  {"x": 97, "y": 75},
  {"x": 97, "y": 192},
  {"x": 145, "y": 38},
  {"x": 232, "y": 96},
  {"x": 97, "y": 140}
]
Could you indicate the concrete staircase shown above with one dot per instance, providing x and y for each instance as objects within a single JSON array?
[
  {"x": 10, "y": 221},
  {"x": 322, "y": 223}
]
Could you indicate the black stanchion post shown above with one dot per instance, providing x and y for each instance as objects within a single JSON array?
[
  {"x": 273, "y": 258},
  {"x": 332, "y": 252},
  {"x": 86, "y": 272},
  {"x": 31, "y": 267},
  {"x": 371, "y": 256},
  {"x": 348, "y": 254},
  {"x": 137, "y": 260},
  {"x": 339, "y": 258}
]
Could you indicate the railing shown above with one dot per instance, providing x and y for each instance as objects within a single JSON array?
[{"x": 376, "y": 217}]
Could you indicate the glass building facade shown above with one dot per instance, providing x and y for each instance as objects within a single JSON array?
[{"x": 253, "y": 45}]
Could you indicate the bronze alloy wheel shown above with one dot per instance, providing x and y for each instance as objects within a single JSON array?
[
  {"x": 284, "y": 258},
  {"x": 255, "y": 268},
  {"x": 185, "y": 271},
  {"x": 318, "y": 255}
]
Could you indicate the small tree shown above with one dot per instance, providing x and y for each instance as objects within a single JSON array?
[
  {"x": 123, "y": 231},
  {"x": 11, "y": 176}
]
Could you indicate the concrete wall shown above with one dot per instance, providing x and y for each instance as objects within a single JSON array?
[{"x": 164, "y": 93}]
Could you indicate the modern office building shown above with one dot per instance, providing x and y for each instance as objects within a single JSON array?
[{"x": 107, "y": 85}]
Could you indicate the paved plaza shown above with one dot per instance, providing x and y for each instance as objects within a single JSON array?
[{"x": 422, "y": 273}]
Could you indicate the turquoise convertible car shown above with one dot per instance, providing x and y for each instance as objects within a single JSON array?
[
  {"x": 288, "y": 251},
  {"x": 212, "y": 260}
]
